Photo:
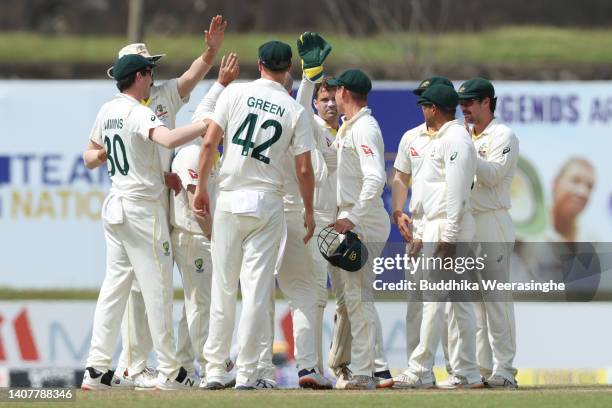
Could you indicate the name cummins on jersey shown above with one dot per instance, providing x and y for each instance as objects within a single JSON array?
[{"x": 122, "y": 128}]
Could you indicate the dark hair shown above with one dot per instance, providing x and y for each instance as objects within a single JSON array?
[
  {"x": 493, "y": 105},
  {"x": 323, "y": 85},
  {"x": 358, "y": 97},
  {"x": 448, "y": 111},
  {"x": 125, "y": 83}
]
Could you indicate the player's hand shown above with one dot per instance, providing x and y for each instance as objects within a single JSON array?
[
  {"x": 343, "y": 225},
  {"x": 404, "y": 224},
  {"x": 313, "y": 50},
  {"x": 229, "y": 69},
  {"x": 309, "y": 224},
  {"x": 201, "y": 202},
  {"x": 415, "y": 248},
  {"x": 102, "y": 155},
  {"x": 173, "y": 182},
  {"x": 445, "y": 249},
  {"x": 215, "y": 33}
]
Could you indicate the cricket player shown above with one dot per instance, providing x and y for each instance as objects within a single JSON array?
[
  {"x": 262, "y": 124},
  {"x": 414, "y": 148},
  {"x": 166, "y": 100},
  {"x": 314, "y": 90},
  {"x": 447, "y": 176},
  {"x": 296, "y": 278},
  {"x": 498, "y": 152},
  {"x": 191, "y": 234},
  {"x": 361, "y": 179},
  {"x": 125, "y": 135}
]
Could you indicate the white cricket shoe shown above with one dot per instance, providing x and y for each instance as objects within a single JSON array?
[
  {"x": 361, "y": 382},
  {"x": 498, "y": 381},
  {"x": 265, "y": 383},
  {"x": 343, "y": 375},
  {"x": 181, "y": 382},
  {"x": 313, "y": 380},
  {"x": 459, "y": 382},
  {"x": 122, "y": 381},
  {"x": 96, "y": 380},
  {"x": 383, "y": 379},
  {"x": 219, "y": 383},
  {"x": 147, "y": 379},
  {"x": 412, "y": 382}
]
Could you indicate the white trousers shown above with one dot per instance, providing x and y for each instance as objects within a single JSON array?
[
  {"x": 244, "y": 249},
  {"x": 496, "y": 329},
  {"x": 139, "y": 248},
  {"x": 414, "y": 311},
  {"x": 433, "y": 325},
  {"x": 298, "y": 282},
  {"x": 322, "y": 270},
  {"x": 367, "y": 351},
  {"x": 136, "y": 339},
  {"x": 192, "y": 256}
]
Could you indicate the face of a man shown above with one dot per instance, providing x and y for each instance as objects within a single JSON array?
[
  {"x": 147, "y": 82},
  {"x": 472, "y": 110},
  {"x": 340, "y": 93},
  {"x": 428, "y": 115},
  {"x": 326, "y": 106},
  {"x": 573, "y": 189}
]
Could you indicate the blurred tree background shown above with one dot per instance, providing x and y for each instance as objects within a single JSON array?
[{"x": 393, "y": 39}]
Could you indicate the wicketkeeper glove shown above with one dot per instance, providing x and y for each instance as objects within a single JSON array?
[{"x": 313, "y": 50}]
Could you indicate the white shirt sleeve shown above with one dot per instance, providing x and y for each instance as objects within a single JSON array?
[
  {"x": 207, "y": 105},
  {"x": 370, "y": 149},
  {"x": 170, "y": 94},
  {"x": 142, "y": 120},
  {"x": 459, "y": 156},
  {"x": 302, "y": 140},
  {"x": 502, "y": 156},
  {"x": 305, "y": 93},
  {"x": 402, "y": 160},
  {"x": 222, "y": 108},
  {"x": 96, "y": 131}
]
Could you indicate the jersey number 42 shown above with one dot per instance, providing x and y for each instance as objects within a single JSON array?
[{"x": 247, "y": 144}]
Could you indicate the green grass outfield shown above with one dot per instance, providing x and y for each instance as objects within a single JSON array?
[
  {"x": 503, "y": 45},
  {"x": 582, "y": 397}
]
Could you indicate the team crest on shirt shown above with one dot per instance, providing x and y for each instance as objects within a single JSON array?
[
  {"x": 192, "y": 174},
  {"x": 166, "y": 246},
  {"x": 366, "y": 150},
  {"x": 413, "y": 152},
  {"x": 161, "y": 111},
  {"x": 482, "y": 151},
  {"x": 198, "y": 264}
]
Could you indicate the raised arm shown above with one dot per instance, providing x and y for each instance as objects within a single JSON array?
[{"x": 201, "y": 65}]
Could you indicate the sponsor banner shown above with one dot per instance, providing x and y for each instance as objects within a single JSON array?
[
  {"x": 52, "y": 202},
  {"x": 44, "y": 339}
]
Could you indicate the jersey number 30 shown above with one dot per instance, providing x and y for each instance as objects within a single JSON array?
[
  {"x": 247, "y": 144},
  {"x": 113, "y": 156}
]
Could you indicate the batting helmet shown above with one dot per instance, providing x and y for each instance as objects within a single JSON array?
[{"x": 345, "y": 251}]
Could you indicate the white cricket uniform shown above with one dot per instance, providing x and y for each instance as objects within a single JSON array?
[
  {"x": 324, "y": 163},
  {"x": 361, "y": 179},
  {"x": 165, "y": 101},
  {"x": 192, "y": 256},
  {"x": 447, "y": 177},
  {"x": 498, "y": 152},
  {"x": 261, "y": 123},
  {"x": 136, "y": 232},
  {"x": 414, "y": 148}
]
